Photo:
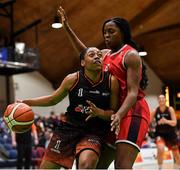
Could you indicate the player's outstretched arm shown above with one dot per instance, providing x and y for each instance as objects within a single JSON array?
[
  {"x": 56, "y": 96},
  {"x": 75, "y": 41}
]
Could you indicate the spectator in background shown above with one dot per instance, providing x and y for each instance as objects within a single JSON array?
[
  {"x": 52, "y": 120},
  {"x": 23, "y": 142},
  {"x": 62, "y": 117},
  {"x": 48, "y": 135},
  {"x": 165, "y": 131}
]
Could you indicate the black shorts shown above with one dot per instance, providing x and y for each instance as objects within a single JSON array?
[
  {"x": 170, "y": 138},
  {"x": 67, "y": 142}
]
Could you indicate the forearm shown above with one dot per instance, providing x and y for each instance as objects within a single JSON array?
[
  {"x": 171, "y": 122},
  {"x": 75, "y": 41},
  {"x": 40, "y": 101},
  {"x": 105, "y": 114},
  {"x": 129, "y": 101}
]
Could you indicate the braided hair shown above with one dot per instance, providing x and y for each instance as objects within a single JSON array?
[{"x": 125, "y": 29}]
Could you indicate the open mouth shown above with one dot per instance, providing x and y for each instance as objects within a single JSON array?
[{"x": 98, "y": 62}]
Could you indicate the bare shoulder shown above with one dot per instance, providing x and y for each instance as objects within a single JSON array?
[
  {"x": 70, "y": 79},
  {"x": 105, "y": 51},
  {"x": 132, "y": 57},
  {"x": 171, "y": 109},
  {"x": 132, "y": 53},
  {"x": 113, "y": 79},
  {"x": 114, "y": 82}
]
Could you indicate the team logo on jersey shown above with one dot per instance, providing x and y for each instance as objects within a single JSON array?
[
  {"x": 107, "y": 67},
  {"x": 82, "y": 109},
  {"x": 80, "y": 92}
]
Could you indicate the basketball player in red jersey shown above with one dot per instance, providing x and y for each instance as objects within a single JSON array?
[
  {"x": 121, "y": 59},
  {"x": 78, "y": 137}
]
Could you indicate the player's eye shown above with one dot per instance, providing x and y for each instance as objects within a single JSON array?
[
  {"x": 91, "y": 54},
  {"x": 99, "y": 54}
]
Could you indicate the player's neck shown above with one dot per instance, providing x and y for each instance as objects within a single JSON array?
[
  {"x": 117, "y": 48},
  {"x": 93, "y": 76},
  {"x": 162, "y": 108}
]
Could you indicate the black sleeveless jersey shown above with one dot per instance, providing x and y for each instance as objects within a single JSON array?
[
  {"x": 83, "y": 90},
  {"x": 163, "y": 128}
]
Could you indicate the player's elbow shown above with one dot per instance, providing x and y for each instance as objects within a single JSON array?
[
  {"x": 133, "y": 94},
  {"x": 174, "y": 123},
  {"x": 52, "y": 101}
]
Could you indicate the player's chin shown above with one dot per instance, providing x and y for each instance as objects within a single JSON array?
[
  {"x": 98, "y": 68},
  {"x": 108, "y": 44}
]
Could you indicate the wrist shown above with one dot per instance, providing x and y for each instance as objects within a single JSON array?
[
  {"x": 66, "y": 26},
  {"x": 100, "y": 112}
]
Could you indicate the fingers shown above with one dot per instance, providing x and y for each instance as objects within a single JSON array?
[
  {"x": 89, "y": 117},
  {"x": 117, "y": 130},
  {"x": 19, "y": 101},
  {"x": 115, "y": 124},
  {"x": 92, "y": 106},
  {"x": 91, "y": 103},
  {"x": 91, "y": 114},
  {"x": 61, "y": 13},
  {"x": 91, "y": 111}
]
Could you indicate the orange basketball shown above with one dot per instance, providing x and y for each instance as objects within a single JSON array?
[{"x": 19, "y": 117}]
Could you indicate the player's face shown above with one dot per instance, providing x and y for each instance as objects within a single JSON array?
[
  {"x": 162, "y": 100},
  {"x": 92, "y": 59},
  {"x": 112, "y": 35}
]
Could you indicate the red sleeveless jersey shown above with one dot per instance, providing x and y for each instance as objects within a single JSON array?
[{"x": 114, "y": 63}]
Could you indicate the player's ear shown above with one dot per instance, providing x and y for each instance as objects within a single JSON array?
[{"x": 82, "y": 63}]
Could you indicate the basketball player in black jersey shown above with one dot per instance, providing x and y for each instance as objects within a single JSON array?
[
  {"x": 93, "y": 98},
  {"x": 165, "y": 134}
]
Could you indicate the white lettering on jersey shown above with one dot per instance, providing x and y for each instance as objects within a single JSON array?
[
  {"x": 105, "y": 94},
  {"x": 94, "y": 92}
]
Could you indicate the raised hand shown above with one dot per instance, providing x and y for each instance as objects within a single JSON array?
[{"x": 61, "y": 13}]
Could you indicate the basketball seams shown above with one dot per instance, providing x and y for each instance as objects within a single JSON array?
[
  {"x": 22, "y": 114},
  {"x": 19, "y": 111},
  {"x": 13, "y": 111},
  {"x": 10, "y": 117},
  {"x": 14, "y": 122}
]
